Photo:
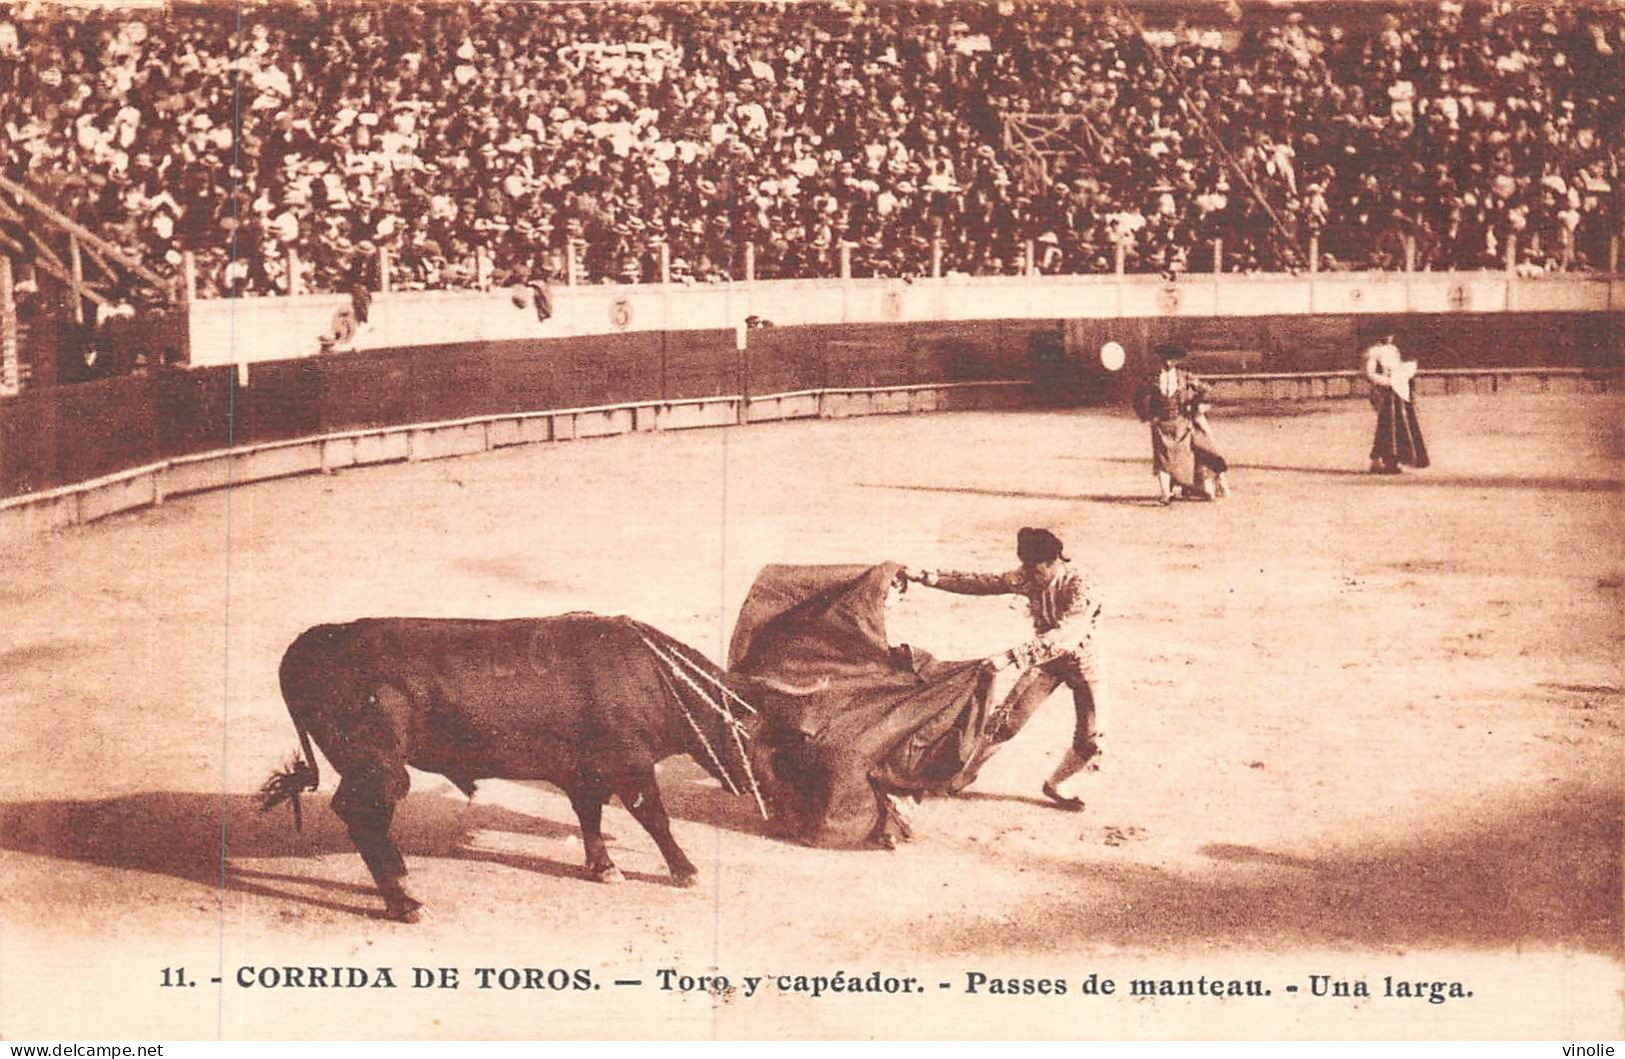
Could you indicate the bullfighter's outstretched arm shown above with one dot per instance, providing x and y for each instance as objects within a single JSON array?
[{"x": 970, "y": 584}]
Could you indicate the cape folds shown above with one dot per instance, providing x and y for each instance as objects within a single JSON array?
[{"x": 861, "y": 717}]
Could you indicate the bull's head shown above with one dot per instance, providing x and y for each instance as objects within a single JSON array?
[{"x": 718, "y": 711}]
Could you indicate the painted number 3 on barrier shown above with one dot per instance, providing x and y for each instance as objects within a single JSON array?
[{"x": 620, "y": 313}]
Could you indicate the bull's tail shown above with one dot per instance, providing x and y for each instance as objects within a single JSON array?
[{"x": 286, "y": 785}]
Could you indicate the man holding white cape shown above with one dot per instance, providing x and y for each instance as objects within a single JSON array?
[{"x": 1398, "y": 440}]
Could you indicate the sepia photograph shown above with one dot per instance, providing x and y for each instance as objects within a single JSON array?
[{"x": 821, "y": 520}]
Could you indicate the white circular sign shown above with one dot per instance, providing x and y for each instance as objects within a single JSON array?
[{"x": 1112, "y": 356}]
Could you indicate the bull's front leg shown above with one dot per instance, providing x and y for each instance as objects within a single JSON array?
[
  {"x": 366, "y": 801},
  {"x": 589, "y": 806},
  {"x": 641, "y": 796}
]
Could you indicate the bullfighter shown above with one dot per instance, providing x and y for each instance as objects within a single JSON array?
[
  {"x": 1171, "y": 401},
  {"x": 1065, "y": 607}
]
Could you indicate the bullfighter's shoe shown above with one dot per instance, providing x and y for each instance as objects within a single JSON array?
[{"x": 1069, "y": 804}]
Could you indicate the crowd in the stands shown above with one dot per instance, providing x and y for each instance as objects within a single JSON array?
[{"x": 473, "y": 144}]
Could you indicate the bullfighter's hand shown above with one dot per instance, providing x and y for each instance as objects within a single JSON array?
[{"x": 998, "y": 662}]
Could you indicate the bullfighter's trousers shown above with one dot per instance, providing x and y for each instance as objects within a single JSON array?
[{"x": 1034, "y": 688}]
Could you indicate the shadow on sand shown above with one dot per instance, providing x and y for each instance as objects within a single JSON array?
[
  {"x": 1431, "y": 479},
  {"x": 1544, "y": 874},
  {"x": 205, "y": 838},
  {"x": 1131, "y": 499},
  {"x": 1547, "y": 873},
  {"x": 1015, "y": 799}
]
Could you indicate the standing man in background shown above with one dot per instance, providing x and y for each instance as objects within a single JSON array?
[{"x": 1398, "y": 441}]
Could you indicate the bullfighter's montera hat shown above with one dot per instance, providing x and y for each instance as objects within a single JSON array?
[{"x": 1039, "y": 546}]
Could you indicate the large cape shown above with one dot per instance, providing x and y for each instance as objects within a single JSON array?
[
  {"x": 853, "y": 717},
  {"x": 1179, "y": 441}
]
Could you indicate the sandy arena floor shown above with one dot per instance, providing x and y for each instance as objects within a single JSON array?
[{"x": 1363, "y": 727}]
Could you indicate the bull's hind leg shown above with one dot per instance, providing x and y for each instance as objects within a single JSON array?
[
  {"x": 589, "y": 807},
  {"x": 641, "y": 796},
  {"x": 366, "y": 801}
]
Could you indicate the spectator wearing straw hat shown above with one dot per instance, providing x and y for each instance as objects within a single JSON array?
[{"x": 1471, "y": 137}]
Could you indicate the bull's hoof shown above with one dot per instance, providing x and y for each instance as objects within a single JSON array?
[
  {"x": 409, "y": 911},
  {"x": 608, "y": 874},
  {"x": 685, "y": 879},
  {"x": 887, "y": 838}
]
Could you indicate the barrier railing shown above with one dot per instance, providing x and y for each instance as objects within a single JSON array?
[
  {"x": 1312, "y": 385},
  {"x": 658, "y": 265},
  {"x": 153, "y": 483}
]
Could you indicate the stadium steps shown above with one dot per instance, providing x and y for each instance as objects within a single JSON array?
[{"x": 1215, "y": 346}]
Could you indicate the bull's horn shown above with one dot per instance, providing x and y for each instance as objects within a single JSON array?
[{"x": 786, "y": 688}]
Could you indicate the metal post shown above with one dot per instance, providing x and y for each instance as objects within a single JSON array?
[
  {"x": 10, "y": 380},
  {"x": 846, "y": 260},
  {"x": 1029, "y": 265},
  {"x": 384, "y": 278},
  {"x": 188, "y": 277},
  {"x": 1568, "y": 248},
  {"x": 1613, "y": 256},
  {"x": 76, "y": 263},
  {"x": 1314, "y": 252},
  {"x": 1218, "y": 256},
  {"x": 665, "y": 262},
  {"x": 1512, "y": 251},
  {"x": 750, "y": 262},
  {"x": 296, "y": 283},
  {"x": 570, "y": 263},
  {"x": 482, "y": 268},
  {"x": 1122, "y": 258},
  {"x": 936, "y": 257},
  {"x": 1410, "y": 252}
]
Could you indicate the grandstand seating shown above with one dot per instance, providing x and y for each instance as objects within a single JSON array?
[{"x": 487, "y": 143}]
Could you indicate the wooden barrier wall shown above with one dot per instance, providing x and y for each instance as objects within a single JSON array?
[{"x": 57, "y": 437}]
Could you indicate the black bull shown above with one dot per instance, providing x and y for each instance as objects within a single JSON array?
[{"x": 587, "y": 703}]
